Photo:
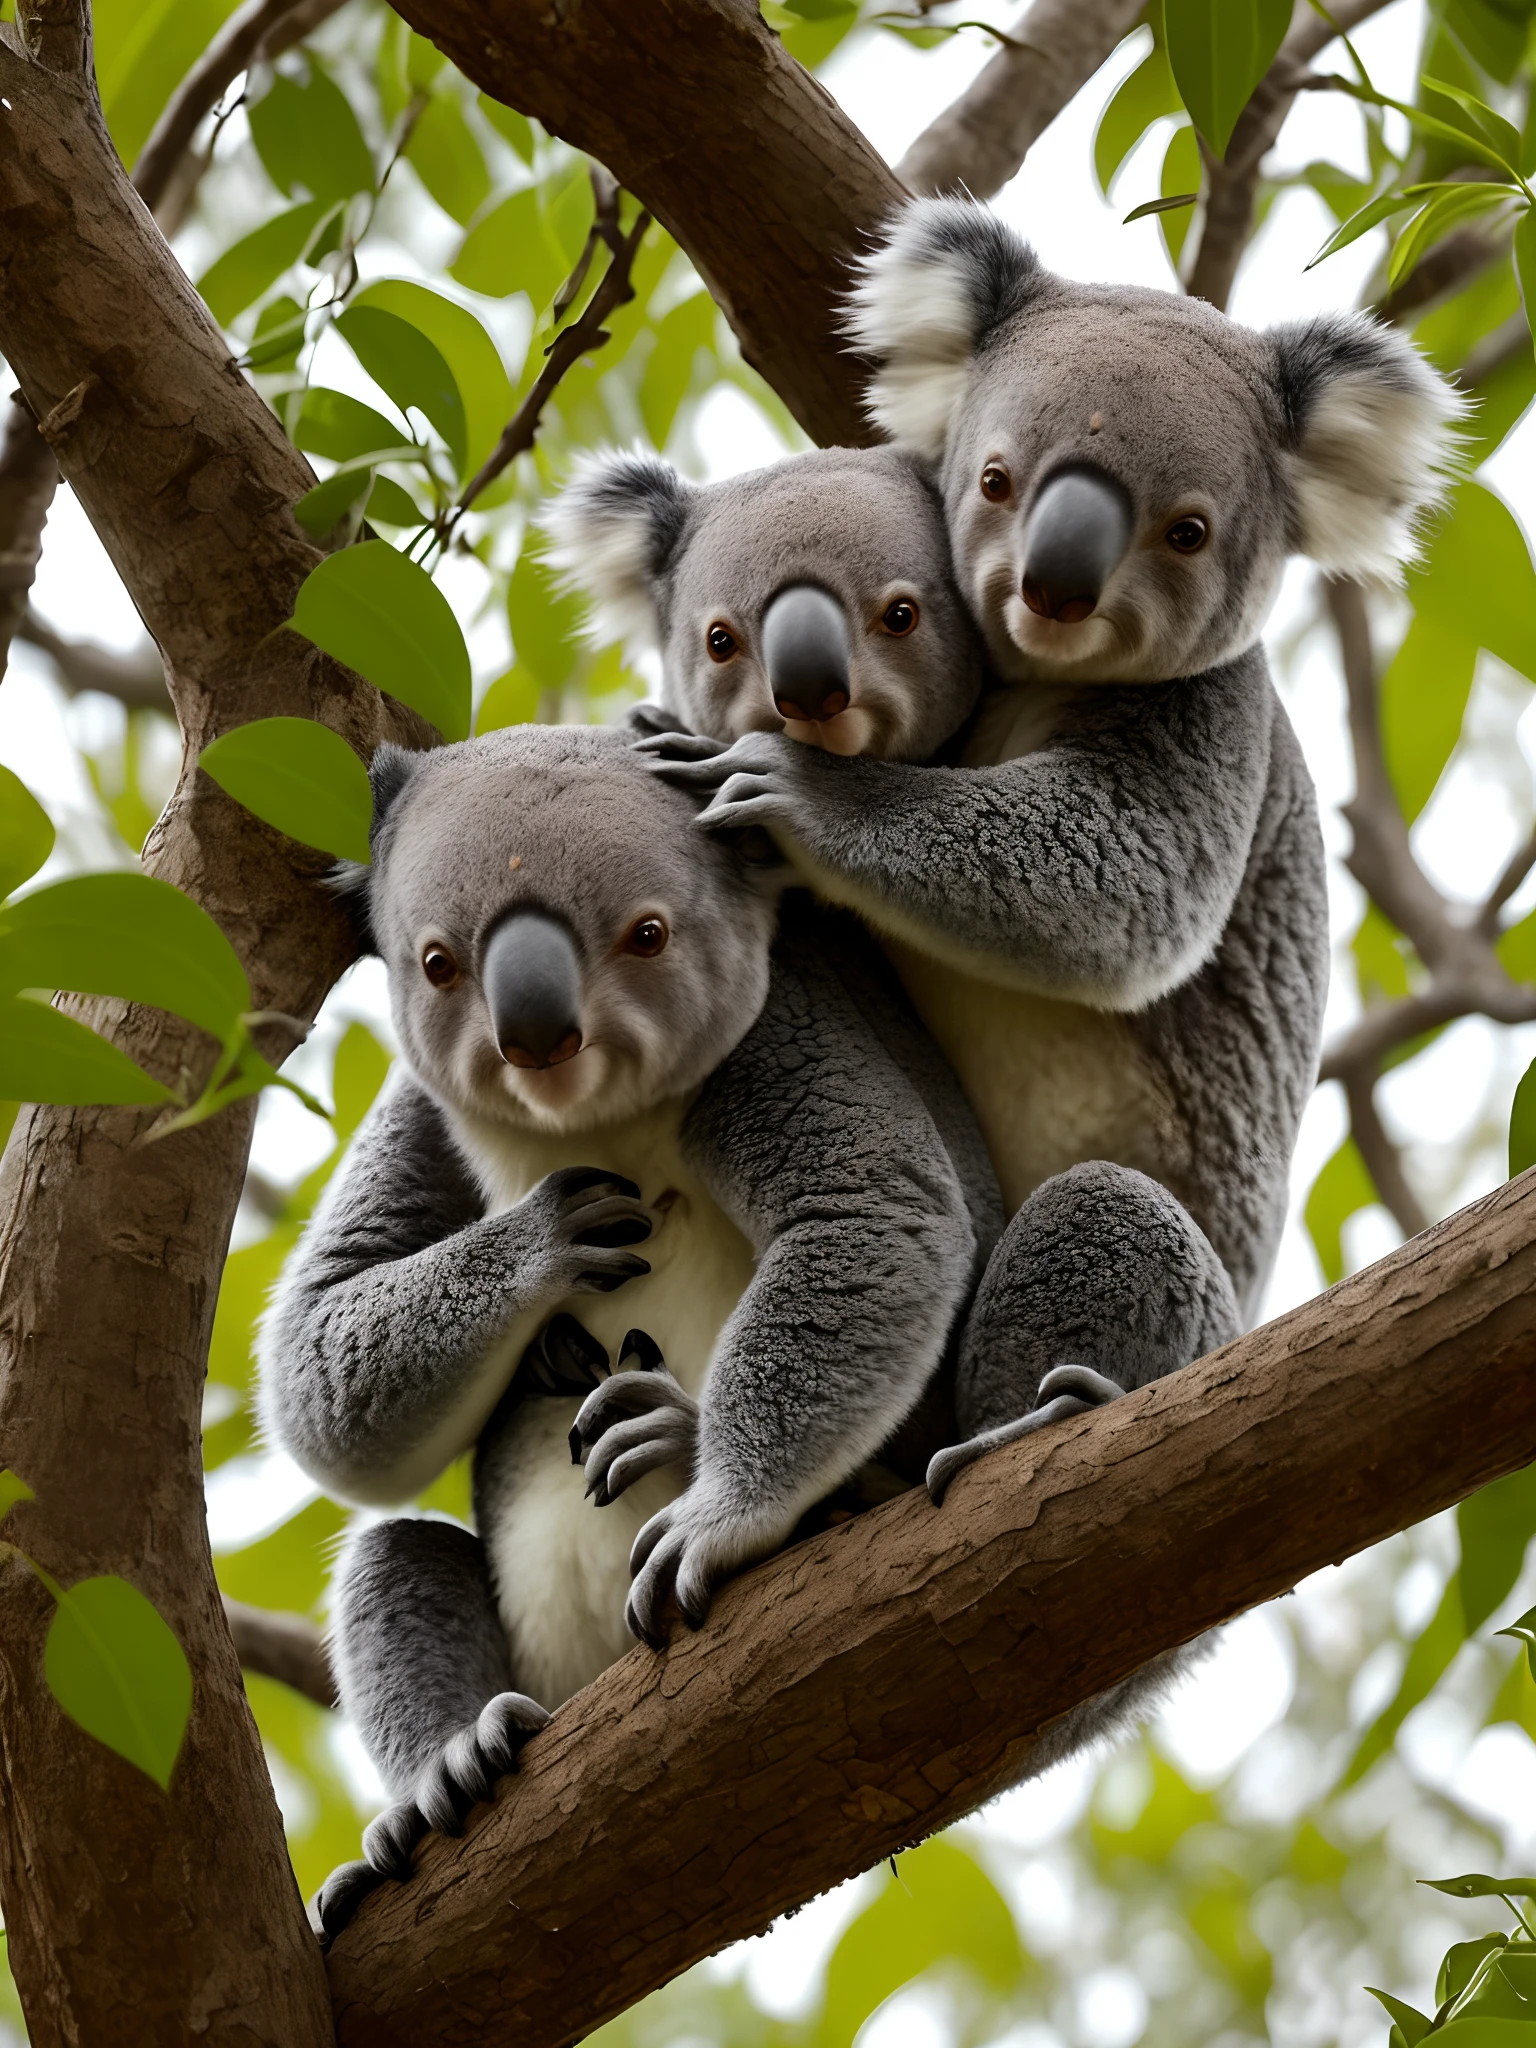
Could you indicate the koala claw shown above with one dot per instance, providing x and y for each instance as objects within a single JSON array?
[
  {"x": 465, "y": 1770},
  {"x": 683, "y": 1553},
  {"x": 1066, "y": 1390},
  {"x": 332, "y": 1907},
  {"x": 564, "y": 1358},
  {"x": 677, "y": 749},
  {"x": 633, "y": 1424}
]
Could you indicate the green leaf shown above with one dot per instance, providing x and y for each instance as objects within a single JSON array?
[
  {"x": 1358, "y": 224},
  {"x": 1423, "y": 702},
  {"x": 1413, "y": 2023},
  {"x": 240, "y": 276},
  {"x": 358, "y": 1073},
  {"x": 307, "y": 136},
  {"x": 479, "y": 375},
  {"x": 1481, "y": 2033},
  {"x": 341, "y": 428},
  {"x": 1525, "y": 264},
  {"x": 1341, "y": 1188},
  {"x": 1524, "y": 1631},
  {"x": 321, "y": 510},
  {"x": 570, "y": 210},
  {"x": 513, "y": 699},
  {"x": 1522, "y": 1124},
  {"x": 1218, "y": 51},
  {"x": 144, "y": 48},
  {"x": 545, "y": 622},
  {"x": 510, "y": 125},
  {"x": 279, "y": 335},
  {"x": 512, "y": 250},
  {"x": 410, "y": 367},
  {"x": 1449, "y": 206},
  {"x": 448, "y": 160},
  {"x": 115, "y": 1667},
  {"x": 1181, "y": 173},
  {"x": 299, "y": 776},
  {"x": 1490, "y": 125},
  {"x": 1476, "y": 1886},
  {"x": 26, "y": 833},
  {"x": 1342, "y": 193},
  {"x": 124, "y": 935},
  {"x": 392, "y": 505},
  {"x": 385, "y": 617},
  {"x": 47, "y": 1057},
  {"x": 680, "y": 335},
  {"x": 1478, "y": 579},
  {"x": 12, "y": 1490},
  {"x": 1145, "y": 96},
  {"x": 1428, "y": 1661},
  {"x": 1464, "y": 136},
  {"x": 1160, "y": 206},
  {"x": 1460, "y": 1965},
  {"x": 1496, "y": 1525}
]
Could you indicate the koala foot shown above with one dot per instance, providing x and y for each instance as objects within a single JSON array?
[
  {"x": 687, "y": 1550},
  {"x": 1066, "y": 1390},
  {"x": 339, "y": 1897},
  {"x": 634, "y": 1423}
]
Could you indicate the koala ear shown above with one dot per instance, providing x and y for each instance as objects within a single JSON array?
[
  {"x": 946, "y": 274},
  {"x": 388, "y": 772},
  {"x": 613, "y": 530},
  {"x": 1373, "y": 441}
]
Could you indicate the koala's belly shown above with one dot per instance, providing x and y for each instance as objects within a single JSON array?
[{"x": 1052, "y": 1083}]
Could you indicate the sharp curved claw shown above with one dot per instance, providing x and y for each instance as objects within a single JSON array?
[
  {"x": 339, "y": 1897},
  {"x": 946, "y": 1464},
  {"x": 1092, "y": 1388},
  {"x": 390, "y": 1837},
  {"x": 640, "y": 1344}
]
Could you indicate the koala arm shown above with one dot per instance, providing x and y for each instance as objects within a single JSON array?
[
  {"x": 1102, "y": 867},
  {"x": 822, "y": 1152},
  {"x": 400, "y": 1317}
]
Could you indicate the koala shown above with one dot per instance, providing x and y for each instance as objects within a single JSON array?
[
  {"x": 604, "y": 1047},
  {"x": 1106, "y": 896}
]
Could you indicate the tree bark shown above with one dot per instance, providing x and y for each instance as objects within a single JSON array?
[
  {"x": 877, "y": 1682},
  {"x": 740, "y": 154},
  {"x": 134, "y": 1916},
  {"x": 29, "y": 477}
]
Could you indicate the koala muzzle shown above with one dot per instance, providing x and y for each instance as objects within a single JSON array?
[
  {"x": 531, "y": 975},
  {"x": 805, "y": 652},
  {"x": 1078, "y": 530}
]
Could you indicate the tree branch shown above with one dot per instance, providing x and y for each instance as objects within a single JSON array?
[
  {"x": 979, "y": 141},
  {"x": 1233, "y": 180},
  {"x": 1383, "y": 1161},
  {"x": 286, "y": 1647},
  {"x": 878, "y": 1681},
  {"x": 29, "y": 476},
  {"x": 135, "y": 681},
  {"x": 765, "y": 144}
]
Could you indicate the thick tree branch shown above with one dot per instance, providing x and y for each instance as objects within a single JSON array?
[
  {"x": 737, "y": 151},
  {"x": 1233, "y": 180},
  {"x": 979, "y": 141},
  {"x": 878, "y": 1681},
  {"x": 286, "y": 1647},
  {"x": 29, "y": 476}
]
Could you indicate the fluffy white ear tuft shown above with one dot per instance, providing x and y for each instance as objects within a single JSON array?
[
  {"x": 1375, "y": 446},
  {"x": 612, "y": 531},
  {"x": 945, "y": 274}
]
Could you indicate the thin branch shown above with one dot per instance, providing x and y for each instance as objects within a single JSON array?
[
  {"x": 286, "y": 1647},
  {"x": 1515, "y": 870},
  {"x": 569, "y": 345},
  {"x": 1233, "y": 180},
  {"x": 29, "y": 476},
  {"x": 1383, "y": 1161},
  {"x": 979, "y": 141},
  {"x": 1386, "y": 1026},
  {"x": 1449, "y": 266},
  {"x": 138, "y": 681},
  {"x": 260, "y": 29},
  {"x": 1496, "y": 351},
  {"x": 56, "y": 35}
]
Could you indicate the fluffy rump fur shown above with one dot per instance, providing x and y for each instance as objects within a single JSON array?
[
  {"x": 611, "y": 533},
  {"x": 1374, "y": 445}
]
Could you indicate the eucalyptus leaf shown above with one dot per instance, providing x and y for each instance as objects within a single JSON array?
[
  {"x": 1146, "y": 95},
  {"x": 126, "y": 935},
  {"x": 1461, "y": 1962},
  {"x": 321, "y": 510},
  {"x": 1491, "y": 125},
  {"x": 1448, "y": 208},
  {"x": 1424, "y": 696},
  {"x": 410, "y": 367},
  {"x": 236, "y": 279},
  {"x": 473, "y": 359},
  {"x": 385, "y": 617},
  {"x": 1358, "y": 224},
  {"x": 1172, "y": 205},
  {"x": 1413, "y": 2023},
  {"x": 279, "y": 335},
  {"x": 513, "y": 699},
  {"x": 115, "y": 1667},
  {"x": 301, "y": 777},
  {"x": 341, "y": 428},
  {"x": 448, "y": 160},
  {"x": 392, "y": 505},
  {"x": 12, "y": 1491},
  {"x": 1218, "y": 51},
  {"x": 26, "y": 833},
  {"x": 307, "y": 137},
  {"x": 680, "y": 334},
  {"x": 1343, "y": 1187},
  {"x": 48, "y": 1057},
  {"x": 1525, "y": 264},
  {"x": 1181, "y": 174},
  {"x": 1464, "y": 135},
  {"x": 1522, "y": 1125},
  {"x": 1476, "y": 1886},
  {"x": 511, "y": 250},
  {"x": 511, "y": 126}
]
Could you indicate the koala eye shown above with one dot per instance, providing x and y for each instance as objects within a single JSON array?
[
  {"x": 1187, "y": 535},
  {"x": 996, "y": 484},
  {"x": 440, "y": 967},
  {"x": 647, "y": 937},
  {"x": 721, "y": 642},
  {"x": 899, "y": 617}
]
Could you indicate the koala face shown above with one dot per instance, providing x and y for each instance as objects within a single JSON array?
[
  {"x": 564, "y": 948},
  {"x": 814, "y": 597},
  {"x": 1125, "y": 471}
]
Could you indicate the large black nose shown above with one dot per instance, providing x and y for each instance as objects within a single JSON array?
[
  {"x": 1078, "y": 531},
  {"x": 805, "y": 651},
  {"x": 531, "y": 975}
]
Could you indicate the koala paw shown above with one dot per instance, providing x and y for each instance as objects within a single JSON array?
[
  {"x": 1066, "y": 1390},
  {"x": 339, "y": 1897},
  {"x": 632, "y": 1424},
  {"x": 665, "y": 747},
  {"x": 591, "y": 1215},
  {"x": 685, "y": 1551}
]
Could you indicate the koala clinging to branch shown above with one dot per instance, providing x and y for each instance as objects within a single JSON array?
[
  {"x": 1110, "y": 907},
  {"x": 604, "y": 1048}
]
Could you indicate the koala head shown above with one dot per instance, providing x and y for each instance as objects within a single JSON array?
[
  {"x": 814, "y": 597},
  {"x": 1124, "y": 471},
  {"x": 564, "y": 948}
]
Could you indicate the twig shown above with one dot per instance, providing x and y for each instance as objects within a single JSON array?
[
  {"x": 282, "y": 1646},
  {"x": 1515, "y": 870},
  {"x": 29, "y": 476},
  {"x": 1383, "y": 1161},
  {"x": 138, "y": 681},
  {"x": 614, "y": 290}
]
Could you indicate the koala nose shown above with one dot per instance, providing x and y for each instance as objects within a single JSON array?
[
  {"x": 1078, "y": 531},
  {"x": 531, "y": 975},
  {"x": 805, "y": 652}
]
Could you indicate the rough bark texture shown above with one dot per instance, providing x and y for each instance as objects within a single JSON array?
[
  {"x": 740, "y": 154},
  {"x": 110, "y": 1252},
  {"x": 979, "y": 141},
  {"x": 29, "y": 476},
  {"x": 877, "y": 1682}
]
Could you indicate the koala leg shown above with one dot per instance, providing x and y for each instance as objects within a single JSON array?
[
  {"x": 424, "y": 1671},
  {"x": 1101, "y": 1282}
]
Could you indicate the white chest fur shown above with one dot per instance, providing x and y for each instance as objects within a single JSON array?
[{"x": 561, "y": 1565}]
